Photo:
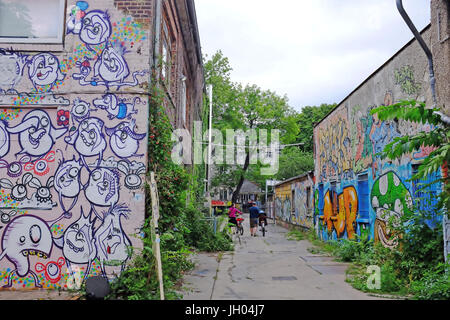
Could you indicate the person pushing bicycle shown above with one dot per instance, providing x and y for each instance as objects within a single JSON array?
[{"x": 233, "y": 213}]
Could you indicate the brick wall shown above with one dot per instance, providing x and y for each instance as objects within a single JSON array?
[{"x": 141, "y": 10}]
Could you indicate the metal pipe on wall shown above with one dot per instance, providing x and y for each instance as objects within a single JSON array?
[{"x": 424, "y": 46}]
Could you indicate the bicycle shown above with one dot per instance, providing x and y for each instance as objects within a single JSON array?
[
  {"x": 263, "y": 224},
  {"x": 240, "y": 227},
  {"x": 233, "y": 234}
]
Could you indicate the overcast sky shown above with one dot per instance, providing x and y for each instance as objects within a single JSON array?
[{"x": 314, "y": 51}]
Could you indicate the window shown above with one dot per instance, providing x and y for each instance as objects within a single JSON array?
[
  {"x": 308, "y": 198},
  {"x": 363, "y": 198},
  {"x": 293, "y": 200},
  {"x": 25, "y": 21}
]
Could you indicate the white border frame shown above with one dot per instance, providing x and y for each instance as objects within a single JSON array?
[{"x": 57, "y": 40}]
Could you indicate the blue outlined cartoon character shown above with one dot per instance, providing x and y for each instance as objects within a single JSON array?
[
  {"x": 89, "y": 139},
  {"x": 117, "y": 108},
  {"x": 124, "y": 141},
  {"x": 44, "y": 71},
  {"x": 37, "y": 135},
  {"x": 95, "y": 28}
]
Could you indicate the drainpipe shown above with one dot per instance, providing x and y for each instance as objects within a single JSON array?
[
  {"x": 157, "y": 37},
  {"x": 444, "y": 118},
  {"x": 424, "y": 47},
  {"x": 427, "y": 50}
]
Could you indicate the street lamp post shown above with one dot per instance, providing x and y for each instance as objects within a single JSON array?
[{"x": 210, "y": 93}]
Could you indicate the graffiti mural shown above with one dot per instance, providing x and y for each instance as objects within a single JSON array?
[
  {"x": 334, "y": 153},
  {"x": 390, "y": 199},
  {"x": 404, "y": 77},
  {"x": 340, "y": 212},
  {"x": 72, "y": 165}
]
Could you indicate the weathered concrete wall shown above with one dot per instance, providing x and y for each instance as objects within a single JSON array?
[
  {"x": 356, "y": 190},
  {"x": 440, "y": 48},
  {"x": 74, "y": 119},
  {"x": 294, "y": 204}
]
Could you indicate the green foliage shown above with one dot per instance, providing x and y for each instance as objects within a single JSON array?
[
  {"x": 294, "y": 162},
  {"x": 434, "y": 284},
  {"x": 306, "y": 120},
  {"x": 182, "y": 225},
  {"x": 438, "y": 138},
  {"x": 238, "y": 107},
  {"x": 295, "y": 235}
]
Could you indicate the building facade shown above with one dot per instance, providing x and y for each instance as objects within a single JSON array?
[
  {"x": 74, "y": 99},
  {"x": 356, "y": 191},
  {"x": 294, "y": 201}
]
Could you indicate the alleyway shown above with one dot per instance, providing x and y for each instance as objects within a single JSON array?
[{"x": 268, "y": 268}]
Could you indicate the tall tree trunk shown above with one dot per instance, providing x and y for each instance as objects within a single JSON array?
[{"x": 241, "y": 180}]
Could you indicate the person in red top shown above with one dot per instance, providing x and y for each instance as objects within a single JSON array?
[{"x": 232, "y": 214}]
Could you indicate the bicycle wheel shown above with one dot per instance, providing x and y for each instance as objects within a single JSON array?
[
  {"x": 263, "y": 229},
  {"x": 241, "y": 230}
]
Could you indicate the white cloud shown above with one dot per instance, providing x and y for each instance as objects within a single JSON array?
[{"x": 313, "y": 51}]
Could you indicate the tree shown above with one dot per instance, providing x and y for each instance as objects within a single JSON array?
[
  {"x": 294, "y": 162},
  {"x": 306, "y": 119},
  {"x": 245, "y": 108}
]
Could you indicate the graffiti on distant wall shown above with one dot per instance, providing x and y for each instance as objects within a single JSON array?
[
  {"x": 69, "y": 167},
  {"x": 303, "y": 204}
]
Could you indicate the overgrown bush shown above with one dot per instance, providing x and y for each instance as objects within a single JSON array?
[
  {"x": 182, "y": 226},
  {"x": 434, "y": 285}
]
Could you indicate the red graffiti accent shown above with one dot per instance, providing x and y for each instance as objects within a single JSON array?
[
  {"x": 62, "y": 118},
  {"x": 340, "y": 211},
  {"x": 424, "y": 152},
  {"x": 52, "y": 270},
  {"x": 42, "y": 166}
]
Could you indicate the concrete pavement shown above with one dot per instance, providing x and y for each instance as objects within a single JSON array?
[{"x": 268, "y": 268}]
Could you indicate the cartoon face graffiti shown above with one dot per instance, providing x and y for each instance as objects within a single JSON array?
[
  {"x": 4, "y": 139},
  {"x": 36, "y": 133},
  {"x": 18, "y": 191},
  {"x": 111, "y": 65},
  {"x": 103, "y": 187},
  {"x": 78, "y": 243},
  {"x": 124, "y": 141},
  {"x": 111, "y": 240},
  {"x": 96, "y": 28},
  {"x": 23, "y": 237},
  {"x": 80, "y": 110},
  {"x": 133, "y": 181},
  {"x": 116, "y": 108},
  {"x": 67, "y": 178},
  {"x": 14, "y": 169},
  {"x": 52, "y": 270},
  {"x": 89, "y": 140},
  {"x": 44, "y": 70},
  {"x": 43, "y": 193}
]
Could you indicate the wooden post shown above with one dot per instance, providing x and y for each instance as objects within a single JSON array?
[{"x": 155, "y": 231}]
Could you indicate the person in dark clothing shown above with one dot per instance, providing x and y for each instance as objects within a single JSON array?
[{"x": 254, "y": 219}]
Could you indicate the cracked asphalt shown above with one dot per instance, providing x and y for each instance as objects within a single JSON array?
[{"x": 268, "y": 268}]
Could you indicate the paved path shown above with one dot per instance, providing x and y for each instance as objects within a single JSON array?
[{"x": 268, "y": 268}]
